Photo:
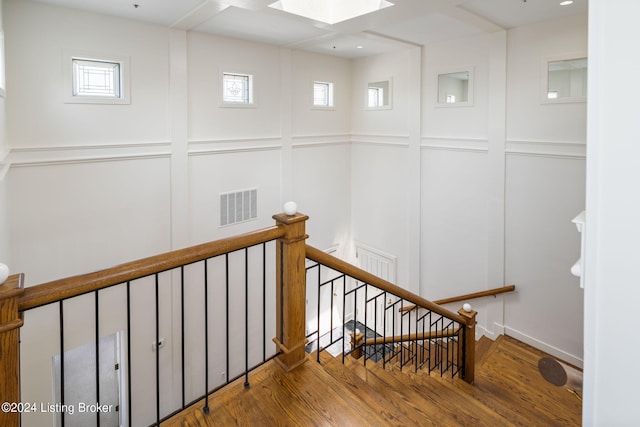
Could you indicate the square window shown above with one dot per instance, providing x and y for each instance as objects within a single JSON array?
[
  {"x": 96, "y": 78},
  {"x": 237, "y": 88},
  {"x": 322, "y": 94}
]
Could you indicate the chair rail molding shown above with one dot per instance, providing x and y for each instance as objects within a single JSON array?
[
  {"x": 455, "y": 144},
  {"x": 233, "y": 145},
  {"x": 557, "y": 149},
  {"x": 376, "y": 139},
  {"x": 65, "y": 154}
]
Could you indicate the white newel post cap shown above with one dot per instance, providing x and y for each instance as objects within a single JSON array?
[
  {"x": 466, "y": 307},
  {"x": 4, "y": 273},
  {"x": 290, "y": 208}
]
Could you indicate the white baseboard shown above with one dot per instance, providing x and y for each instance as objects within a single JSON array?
[{"x": 547, "y": 348}]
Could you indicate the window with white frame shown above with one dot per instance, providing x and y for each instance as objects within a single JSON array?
[
  {"x": 2, "y": 78},
  {"x": 376, "y": 97},
  {"x": 96, "y": 79},
  {"x": 237, "y": 88},
  {"x": 322, "y": 94}
]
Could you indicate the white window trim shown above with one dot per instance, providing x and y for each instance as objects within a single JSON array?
[
  {"x": 470, "y": 89},
  {"x": 3, "y": 81},
  {"x": 331, "y": 95},
  {"x": 544, "y": 80},
  {"x": 67, "y": 74},
  {"x": 389, "y": 106},
  {"x": 252, "y": 87}
]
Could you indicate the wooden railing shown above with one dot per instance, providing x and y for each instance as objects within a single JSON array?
[
  {"x": 291, "y": 253},
  {"x": 37, "y": 296},
  {"x": 466, "y": 320},
  {"x": 447, "y": 333},
  {"x": 467, "y": 297},
  {"x": 289, "y": 235}
]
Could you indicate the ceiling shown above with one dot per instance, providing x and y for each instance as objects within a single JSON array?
[{"x": 408, "y": 22}]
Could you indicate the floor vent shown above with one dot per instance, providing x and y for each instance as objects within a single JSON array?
[{"x": 238, "y": 206}]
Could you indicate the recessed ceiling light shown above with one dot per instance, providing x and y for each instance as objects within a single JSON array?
[
  {"x": 359, "y": 47},
  {"x": 566, "y": 3}
]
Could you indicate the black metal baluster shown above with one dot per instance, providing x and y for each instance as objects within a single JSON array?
[
  {"x": 182, "y": 331},
  {"x": 129, "y": 353},
  {"x": 226, "y": 260},
  {"x": 344, "y": 317},
  {"x": 61, "y": 313},
  {"x": 331, "y": 312},
  {"x": 157, "y": 297},
  {"x": 318, "y": 315},
  {"x": 415, "y": 348},
  {"x": 401, "y": 331},
  {"x": 246, "y": 318},
  {"x": 264, "y": 302},
  {"x": 97, "y": 337},
  {"x": 355, "y": 309},
  {"x": 375, "y": 325},
  {"x": 206, "y": 339},
  {"x": 384, "y": 329},
  {"x": 366, "y": 297}
]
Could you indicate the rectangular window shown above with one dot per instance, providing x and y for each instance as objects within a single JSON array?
[
  {"x": 322, "y": 94},
  {"x": 96, "y": 78},
  {"x": 376, "y": 97},
  {"x": 237, "y": 88}
]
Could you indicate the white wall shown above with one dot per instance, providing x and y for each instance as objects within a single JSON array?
[
  {"x": 92, "y": 186},
  {"x": 432, "y": 186},
  {"x": 613, "y": 207},
  {"x": 321, "y": 153},
  {"x": 89, "y": 185},
  {"x": 454, "y": 156},
  {"x": 4, "y": 221},
  {"x": 383, "y": 172},
  {"x": 545, "y": 170}
]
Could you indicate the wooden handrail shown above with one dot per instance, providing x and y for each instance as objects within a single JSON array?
[
  {"x": 364, "y": 276},
  {"x": 450, "y": 332},
  {"x": 487, "y": 293},
  {"x": 57, "y": 290}
]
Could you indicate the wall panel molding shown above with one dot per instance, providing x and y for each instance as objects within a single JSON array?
[
  {"x": 40, "y": 156},
  {"x": 395, "y": 140},
  {"x": 319, "y": 140},
  {"x": 226, "y": 146},
  {"x": 558, "y": 149},
  {"x": 455, "y": 144}
]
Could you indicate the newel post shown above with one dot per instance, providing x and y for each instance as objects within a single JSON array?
[
  {"x": 291, "y": 290},
  {"x": 469, "y": 343},
  {"x": 10, "y": 323}
]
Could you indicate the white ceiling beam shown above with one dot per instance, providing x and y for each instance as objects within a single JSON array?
[
  {"x": 472, "y": 19},
  {"x": 199, "y": 14}
]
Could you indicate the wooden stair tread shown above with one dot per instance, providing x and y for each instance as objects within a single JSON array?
[
  {"x": 508, "y": 391},
  {"x": 441, "y": 400}
]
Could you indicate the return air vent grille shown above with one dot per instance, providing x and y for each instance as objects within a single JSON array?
[{"x": 238, "y": 206}]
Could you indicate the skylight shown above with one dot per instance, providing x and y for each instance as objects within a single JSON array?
[{"x": 330, "y": 11}]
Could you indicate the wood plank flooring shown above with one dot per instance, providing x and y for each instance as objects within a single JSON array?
[{"x": 508, "y": 391}]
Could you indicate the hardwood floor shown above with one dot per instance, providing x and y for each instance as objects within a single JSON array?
[{"x": 508, "y": 391}]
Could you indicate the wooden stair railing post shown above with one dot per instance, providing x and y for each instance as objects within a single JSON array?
[
  {"x": 291, "y": 290},
  {"x": 469, "y": 345},
  {"x": 356, "y": 344},
  {"x": 10, "y": 324}
]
